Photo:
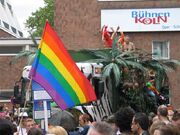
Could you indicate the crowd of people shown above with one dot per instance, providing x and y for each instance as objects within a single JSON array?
[{"x": 124, "y": 122}]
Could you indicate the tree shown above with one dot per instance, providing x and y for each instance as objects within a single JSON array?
[
  {"x": 37, "y": 21},
  {"x": 115, "y": 62},
  {"x": 126, "y": 76}
]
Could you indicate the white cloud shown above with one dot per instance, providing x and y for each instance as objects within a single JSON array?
[{"x": 23, "y": 9}]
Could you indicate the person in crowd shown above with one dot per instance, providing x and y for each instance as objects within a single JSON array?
[
  {"x": 30, "y": 123},
  {"x": 123, "y": 119},
  {"x": 35, "y": 131},
  {"x": 6, "y": 110},
  {"x": 162, "y": 113},
  {"x": 167, "y": 129},
  {"x": 6, "y": 127},
  {"x": 176, "y": 119},
  {"x": 156, "y": 125},
  {"x": 57, "y": 130},
  {"x": 14, "y": 119},
  {"x": 2, "y": 113},
  {"x": 155, "y": 119},
  {"x": 14, "y": 128},
  {"x": 127, "y": 45},
  {"x": 101, "y": 128},
  {"x": 109, "y": 38},
  {"x": 140, "y": 124},
  {"x": 111, "y": 121},
  {"x": 21, "y": 129},
  {"x": 170, "y": 112},
  {"x": 84, "y": 122},
  {"x": 151, "y": 116}
]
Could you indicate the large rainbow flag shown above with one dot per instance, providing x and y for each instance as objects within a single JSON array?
[{"x": 55, "y": 70}]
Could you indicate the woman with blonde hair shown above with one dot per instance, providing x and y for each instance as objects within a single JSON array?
[{"x": 57, "y": 130}]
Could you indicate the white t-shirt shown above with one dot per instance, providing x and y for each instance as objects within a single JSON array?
[{"x": 21, "y": 131}]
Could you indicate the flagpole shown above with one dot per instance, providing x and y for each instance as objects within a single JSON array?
[
  {"x": 25, "y": 103},
  {"x": 45, "y": 115}
]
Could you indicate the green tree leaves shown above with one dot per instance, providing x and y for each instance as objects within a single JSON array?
[{"x": 37, "y": 21}]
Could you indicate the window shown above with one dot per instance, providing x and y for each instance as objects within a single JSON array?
[
  {"x": 10, "y": 7},
  {"x": 10, "y": 50},
  {"x": 14, "y": 30},
  {"x": 6, "y": 25},
  {"x": 2, "y": 2},
  {"x": 20, "y": 33},
  {"x": 160, "y": 49},
  {"x": 6, "y": 95}
]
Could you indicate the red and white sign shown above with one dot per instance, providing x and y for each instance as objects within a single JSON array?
[{"x": 137, "y": 20}]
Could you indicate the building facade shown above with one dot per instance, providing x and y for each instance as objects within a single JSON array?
[
  {"x": 11, "y": 69},
  {"x": 10, "y": 32},
  {"x": 78, "y": 24},
  {"x": 9, "y": 26}
]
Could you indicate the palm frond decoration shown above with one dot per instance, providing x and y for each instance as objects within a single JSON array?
[
  {"x": 31, "y": 57},
  {"x": 117, "y": 73},
  {"x": 107, "y": 70},
  {"x": 121, "y": 62},
  {"x": 137, "y": 65},
  {"x": 102, "y": 54},
  {"x": 115, "y": 52},
  {"x": 30, "y": 54},
  {"x": 171, "y": 63},
  {"x": 126, "y": 53},
  {"x": 96, "y": 61},
  {"x": 20, "y": 55},
  {"x": 153, "y": 64}
]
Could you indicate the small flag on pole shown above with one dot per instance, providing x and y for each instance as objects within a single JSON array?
[{"x": 55, "y": 70}]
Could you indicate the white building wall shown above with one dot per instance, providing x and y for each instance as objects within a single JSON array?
[{"x": 8, "y": 16}]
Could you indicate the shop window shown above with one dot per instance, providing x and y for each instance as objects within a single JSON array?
[{"x": 160, "y": 50}]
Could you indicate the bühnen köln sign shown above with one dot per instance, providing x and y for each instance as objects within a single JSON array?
[{"x": 137, "y": 20}]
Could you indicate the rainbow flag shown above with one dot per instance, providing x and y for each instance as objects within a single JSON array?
[{"x": 55, "y": 70}]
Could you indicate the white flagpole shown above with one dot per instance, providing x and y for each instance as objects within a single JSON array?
[{"x": 45, "y": 115}]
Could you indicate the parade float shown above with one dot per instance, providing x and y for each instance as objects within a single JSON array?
[{"x": 121, "y": 75}]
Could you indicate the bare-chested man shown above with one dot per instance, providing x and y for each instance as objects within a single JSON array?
[{"x": 127, "y": 45}]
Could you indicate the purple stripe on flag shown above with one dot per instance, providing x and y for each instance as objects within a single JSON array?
[{"x": 56, "y": 97}]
